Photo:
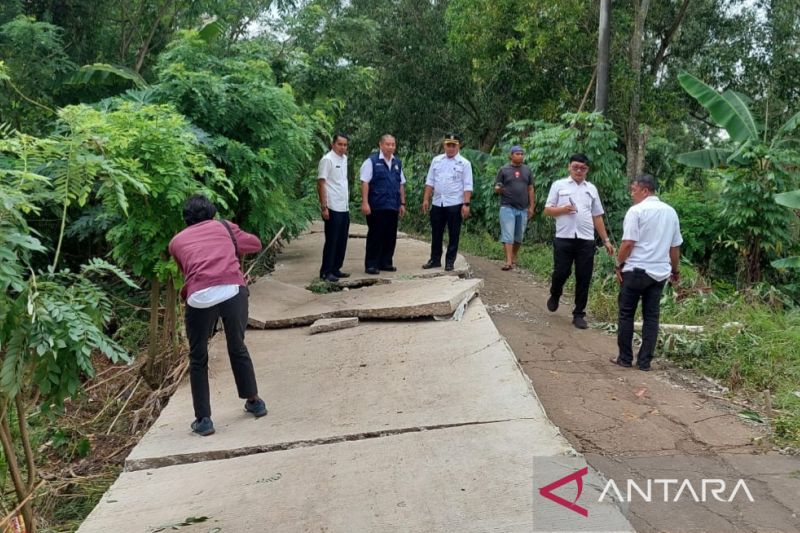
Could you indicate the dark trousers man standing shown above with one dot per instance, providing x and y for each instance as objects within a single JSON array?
[
  {"x": 638, "y": 285},
  {"x": 381, "y": 239},
  {"x": 567, "y": 252},
  {"x": 441, "y": 217},
  {"x": 337, "y": 230}
]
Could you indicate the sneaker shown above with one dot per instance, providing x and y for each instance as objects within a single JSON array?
[
  {"x": 552, "y": 304},
  {"x": 580, "y": 322},
  {"x": 257, "y": 407},
  {"x": 431, "y": 264},
  {"x": 340, "y": 274},
  {"x": 203, "y": 426}
]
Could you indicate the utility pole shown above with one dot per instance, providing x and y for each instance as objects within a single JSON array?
[{"x": 603, "y": 45}]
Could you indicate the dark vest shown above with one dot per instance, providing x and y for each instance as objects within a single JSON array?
[{"x": 384, "y": 188}]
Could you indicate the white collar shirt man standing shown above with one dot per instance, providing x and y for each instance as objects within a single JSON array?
[{"x": 334, "y": 198}]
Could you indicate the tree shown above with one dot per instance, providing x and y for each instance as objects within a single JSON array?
[{"x": 753, "y": 168}]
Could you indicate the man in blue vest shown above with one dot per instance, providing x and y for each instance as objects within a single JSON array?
[{"x": 383, "y": 199}]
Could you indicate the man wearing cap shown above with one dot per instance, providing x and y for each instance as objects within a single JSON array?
[
  {"x": 383, "y": 199},
  {"x": 575, "y": 204},
  {"x": 334, "y": 197},
  {"x": 514, "y": 184},
  {"x": 648, "y": 256},
  {"x": 450, "y": 182}
]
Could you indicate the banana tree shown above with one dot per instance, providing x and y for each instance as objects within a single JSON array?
[
  {"x": 792, "y": 200},
  {"x": 753, "y": 168}
]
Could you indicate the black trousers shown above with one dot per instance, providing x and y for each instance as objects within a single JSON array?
[
  {"x": 337, "y": 229},
  {"x": 567, "y": 252},
  {"x": 638, "y": 285},
  {"x": 381, "y": 238},
  {"x": 199, "y": 324},
  {"x": 449, "y": 217}
]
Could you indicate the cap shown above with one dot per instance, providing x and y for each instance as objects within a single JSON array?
[
  {"x": 451, "y": 138},
  {"x": 516, "y": 148}
]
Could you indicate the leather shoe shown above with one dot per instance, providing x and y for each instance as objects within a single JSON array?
[
  {"x": 580, "y": 322},
  {"x": 552, "y": 304},
  {"x": 372, "y": 270},
  {"x": 389, "y": 269},
  {"x": 449, "y": 267},
  {"x": 431, "y": 264},
  {"x": 330, "y": 277},
  {"x": 340, "y": 274},
  {"x": 644, "y": 368},
  {"x": 620, "y": 363}
]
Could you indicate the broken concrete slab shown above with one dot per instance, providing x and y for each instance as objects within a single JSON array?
[
  {"x": 357, "y": 231},
  {"x": 279, "y": 305},
  {"x": 298, "y": 264},
  {"x": 470, "y": 478},
  {"x": 381, "y": 377},
  {"x": 324, "y": 325}
]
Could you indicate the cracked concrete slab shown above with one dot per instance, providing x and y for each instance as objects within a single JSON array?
[
  {"x": 379, "y": 377},
  {"x": 274, "y": 304},
  {"x": 298, "y": 264},
  {"x": 324, "y": 325},
  {"x": 357, "y": 231},
  {"x": 473, "y": 478}
]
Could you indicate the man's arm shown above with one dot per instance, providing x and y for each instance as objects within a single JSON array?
[
  {"x": 675, "y": 262},
  {"x": 323, "y": 199},
  {"x": 601, "y": 230},
  {"x": 426, "y": 198},
  {"x": 402, "y": 200},
  {"x": 531, "y": 201},
  {"x": 365, "y": 198},
  {"x": 465, "y": 207},
  {"x": 624, "y": 253},
  {"x": 553, "y": 210},
  {"x": 498, "y": 182},
  {"x": 247, "y": 242}
]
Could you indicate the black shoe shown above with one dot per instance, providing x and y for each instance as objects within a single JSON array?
[
  {"x": 580, "y": 322},
  {"x": 644, "y": 368},
  {"x": 203, "y": 426},
  {"x": 372, "y": 270},
  {"x": 257, "y": 407},
  {"x": 340, "y": 274},
  {"x": 620, "y": 363},
  {"x": 389, "y": 269},
  {"x": 552, "y": 304},
  {"x": 431, "y": 264},
  {"x": 449, "y": 267},
  {"x": 330, "y": 277}
]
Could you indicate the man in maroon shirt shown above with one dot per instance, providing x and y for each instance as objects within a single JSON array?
[{"x": 207, "y": 253}]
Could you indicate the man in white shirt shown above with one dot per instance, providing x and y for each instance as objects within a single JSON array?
[
  {"x": 334, "y": 197},
  {"x": 449, "y": 181},
  {"x": 383, "y": 201},
  {"x": 575, "y": 204},
  {"x": 648, "y": 256}
]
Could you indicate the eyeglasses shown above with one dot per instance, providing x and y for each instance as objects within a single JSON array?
[{"x": 579, "y": 168}]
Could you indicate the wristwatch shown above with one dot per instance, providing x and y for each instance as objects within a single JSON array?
[{"x": 466, "y": 204}]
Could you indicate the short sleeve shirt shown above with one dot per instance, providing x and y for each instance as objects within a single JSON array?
[
  {"x": 449, "y": 177},
  {"x": 585, "y": 198},
  {"x": 654, "y": 228},
  {"x": 333, "y": 169},
  {"x": 515, "y": 181}
]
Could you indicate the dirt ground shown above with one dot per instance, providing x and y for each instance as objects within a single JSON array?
[{"x": 641, "y": 424}]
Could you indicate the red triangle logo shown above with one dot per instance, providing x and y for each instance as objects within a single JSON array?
[{"x": 577, "y": 477}]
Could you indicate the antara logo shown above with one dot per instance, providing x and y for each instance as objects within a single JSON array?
[{"x": 708, "y": 489}]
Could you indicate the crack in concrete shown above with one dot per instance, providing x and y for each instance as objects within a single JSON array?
[{"x": 198, "y": 457}]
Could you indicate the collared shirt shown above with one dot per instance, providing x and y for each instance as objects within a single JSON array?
[
  {"x": 333, "y": 169},
  {"x": 450, "y": 177},
  {"x": 584, "y": 196},
  {"x": 654, "y": 228},
  {"x": 366, "y": 169}
]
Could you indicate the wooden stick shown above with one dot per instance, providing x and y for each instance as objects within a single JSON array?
[
  {"x": 108, "y": 432},
  {"x": 273, "y": 241}
]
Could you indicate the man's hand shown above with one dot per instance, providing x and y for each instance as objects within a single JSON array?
[
  {"x": 402, "y": 211},
  {"x": 609, "y": 248},
  {"x": 499, "y": 189},
  {"x": 568, "y": 209},
  {"x": 425, "y": 205},
  {"x": 464, "y": 211},
  {"x": 530, "y": 213},
  {"x": 325, "y": 213},
  {"x": 675, "y": 277},
  {"x": 618, "y": 274},
  {"x": 365, "y": 208}
]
